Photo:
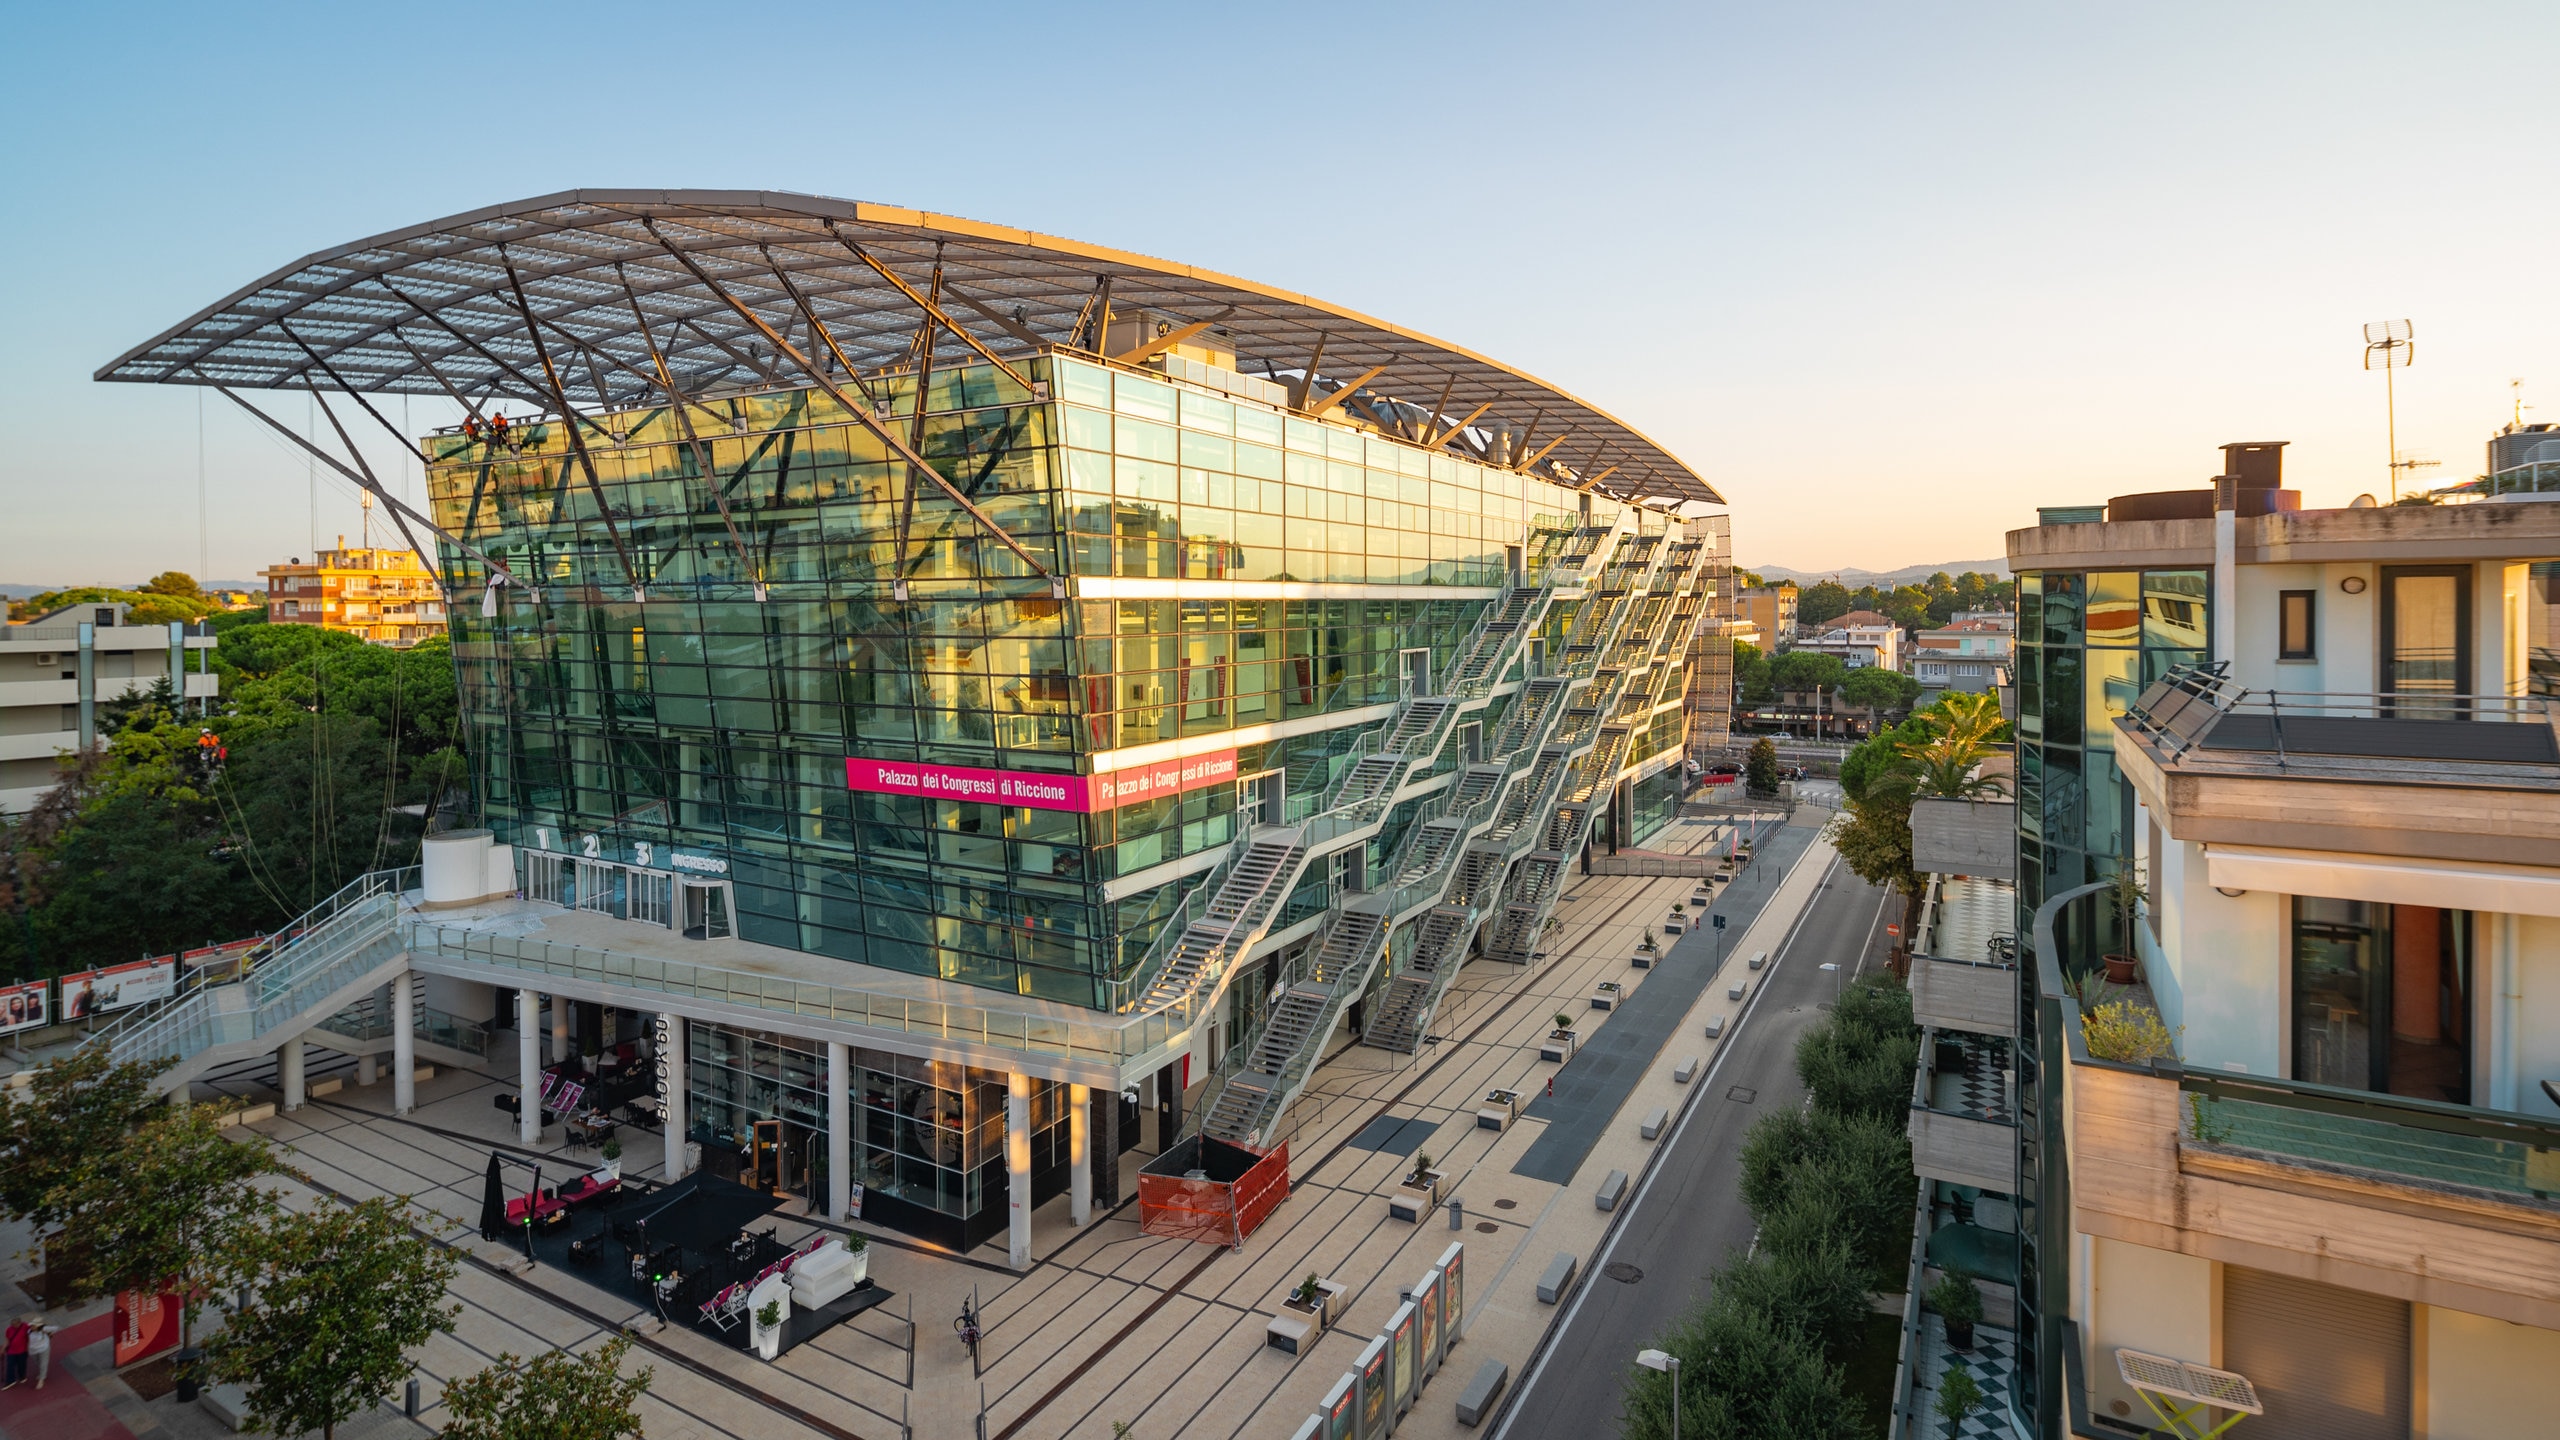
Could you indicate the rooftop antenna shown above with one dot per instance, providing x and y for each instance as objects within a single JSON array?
[
  {"x": 367, "y": 527},
  {"x": 2391, "y": 340}
]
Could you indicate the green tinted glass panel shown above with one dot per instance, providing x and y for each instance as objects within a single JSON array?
[
  {"x": 2062, "y": 599},
  {"x": 2173, "y": 608}
]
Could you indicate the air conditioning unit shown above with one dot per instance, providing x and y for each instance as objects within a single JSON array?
[{"x": 45, "y": 660}]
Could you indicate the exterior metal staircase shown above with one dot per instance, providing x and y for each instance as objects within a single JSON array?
[
  {"x": 1185, "y": 970},
  {"x": 341, "y": 949}
]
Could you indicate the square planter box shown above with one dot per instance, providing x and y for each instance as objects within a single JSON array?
[
  {"x": 1604, "y": 996},
  {"x": 1413, "y": 1202},
  {"x": 1675, "y": 923},
  {"x": 1322, "y": 1314},
  {"x": 1557, "y": 1046},
  {"x": 1703, "y": 897},
  {"x": 1643, "y": 959},
  {"x": 1498, "y": 1109}
]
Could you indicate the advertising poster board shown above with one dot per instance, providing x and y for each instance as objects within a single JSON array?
[
  {"x": 1377, "y": 1407},
  {"x": 146, "y": 1324},
  {"x": 1426, "y": 1315},
  {"x": 22, "y": 1007},
  {"x": 118, "y": 987},
  {"x": 1404, "y": 1377},
  {"x": 1342, "y": 1408},
  {"x": 1453, "y": 1293}
]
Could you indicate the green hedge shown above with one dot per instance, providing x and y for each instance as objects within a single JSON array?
[{"x": 1831, "y": 1186}]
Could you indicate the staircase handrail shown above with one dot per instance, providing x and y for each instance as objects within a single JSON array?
[{"x": 280, "y": 949}]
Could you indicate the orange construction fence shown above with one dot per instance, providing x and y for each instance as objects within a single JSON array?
[{"x": 1206, "y": 1189}]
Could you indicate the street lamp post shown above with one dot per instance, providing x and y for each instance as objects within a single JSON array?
[{"x": 1665, "y": 1360}]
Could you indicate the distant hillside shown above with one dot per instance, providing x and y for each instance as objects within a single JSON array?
[
  {"x": 1883, "y": 579},
  {"x": 21, "y": 592}
]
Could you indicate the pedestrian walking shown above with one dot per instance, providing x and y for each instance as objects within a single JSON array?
[
  {"x": 17, "y": 1353},
  {"x": 39, "y": 1350}
]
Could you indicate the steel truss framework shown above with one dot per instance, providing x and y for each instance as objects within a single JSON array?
[{"x": 616, "y": 298}]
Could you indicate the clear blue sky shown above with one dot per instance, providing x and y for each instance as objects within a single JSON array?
[{"x": 1890, "y": 275}]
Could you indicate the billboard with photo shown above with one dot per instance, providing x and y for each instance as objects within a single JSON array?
[
  {"x": 22, "y": 1007},
  {"x": 118, "y": 987}
]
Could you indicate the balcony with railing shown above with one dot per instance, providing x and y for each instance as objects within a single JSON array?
[
  {"x": 2442, "y": 1204},
  {"x": 2411, "y": 771}
]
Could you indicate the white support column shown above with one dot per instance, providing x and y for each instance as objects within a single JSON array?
[
  {"x": 404, "y": 1046},
  {"x": 562, "y": 1012},
  {"x": 368, "y": 1069},
  {"x": 839, "y": 1131},
  {"x": 671, "y": 1091},
  {"x": 528, "y": 1067},
  {"x": 1017, "y": 1164},
  {"x": 1079, "y": 1153},
  {"x": 289, "y": 1072}
]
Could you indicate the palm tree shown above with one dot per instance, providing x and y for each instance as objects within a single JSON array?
[{"x": 1962, "y": 733}]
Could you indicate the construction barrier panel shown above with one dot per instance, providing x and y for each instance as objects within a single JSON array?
[{"x": 1208, "y": 1190}]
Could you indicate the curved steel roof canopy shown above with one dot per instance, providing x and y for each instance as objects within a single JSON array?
[{"x": 544, "y": 301}]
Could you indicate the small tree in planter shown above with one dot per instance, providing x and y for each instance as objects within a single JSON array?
[
  {"x": 1958, "y": 1398},
  {"x": 2124, "y": 896},
  {"x": 1649, "y": 942},
  {"x": 1308, "y": 1293},
  {"x": 1959, "y": 1304}
]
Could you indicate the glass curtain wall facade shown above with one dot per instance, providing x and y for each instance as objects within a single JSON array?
[
  {"x": 927, "y": 1135},
  {"x": 2088, "y": 642},
  {"x": 715, "y": 719}
]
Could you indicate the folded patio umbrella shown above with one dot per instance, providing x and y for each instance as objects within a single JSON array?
[{"x": 493, "y": 1203}]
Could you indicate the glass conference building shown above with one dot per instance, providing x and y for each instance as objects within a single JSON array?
[{"x": 933, "y": 610}]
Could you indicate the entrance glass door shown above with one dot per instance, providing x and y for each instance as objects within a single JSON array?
[
  {"x": 2426, "y": 640},
  {"x": 2382, "y": 998}
]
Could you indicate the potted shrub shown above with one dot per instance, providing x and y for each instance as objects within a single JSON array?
[
  {"x": 1678, "y": 921},
  {"x": 766, "y": 1331},
  {"x": 1958, "y": 1398},
  {"x": 1959, "y": 1304},
  {"x": 2124, "y": 896},
  {"x": 2128, "y": 1032},
  {"x": 612, "y": 1153}
]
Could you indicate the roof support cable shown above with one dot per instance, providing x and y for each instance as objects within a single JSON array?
[
  {"x": 915, "y": 426},
  {"x": 861, "y": 413},
  {"x": 433, "y": 567},
  {"x": 497, "y": 571},
  {"x": 684, "y": 422},
  {"x": 920, "y": 349},
  {"x": 577, "y": 437}
]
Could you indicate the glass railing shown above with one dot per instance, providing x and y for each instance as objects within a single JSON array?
[
  {"x": 1106, "y": 1042},
  {"x": 2506, "y": 1155}
]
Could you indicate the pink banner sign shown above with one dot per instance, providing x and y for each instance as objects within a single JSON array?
[
  {"x": 1031, "y": 788},
  {"x": 1169, "y": 777},
  {"x": 1038, "y": 790}
]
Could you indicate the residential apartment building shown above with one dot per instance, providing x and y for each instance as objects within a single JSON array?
[
  {"x": 1771, "y": 610},
  {"x": 2324, "y": 740},
  {"x": 381, "y": 596},
  {"x": 1971, "y": 655},
  {"x": 1860, "y": 638},
  {"x": 944, "y": 747},
  {"x": 55, "y": 670}
]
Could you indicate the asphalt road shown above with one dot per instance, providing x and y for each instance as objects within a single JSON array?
[{"x": 1687, "y": 1214}]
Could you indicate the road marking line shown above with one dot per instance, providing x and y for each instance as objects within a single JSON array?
[{"x": 1689, "y": 1107}]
